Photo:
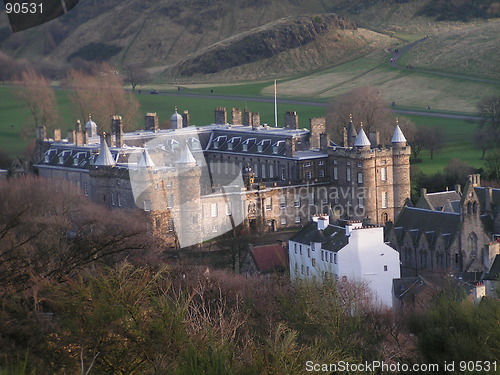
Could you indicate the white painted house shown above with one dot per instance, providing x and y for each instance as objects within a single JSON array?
[{"x": 347, "y": 250}]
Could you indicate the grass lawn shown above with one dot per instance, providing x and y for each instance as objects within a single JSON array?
[{"x": 14, "y": 116}]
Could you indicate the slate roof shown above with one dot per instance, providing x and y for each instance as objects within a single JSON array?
[
  {"x": 418, "y": 222},
  {"x": 398, "y": 136},
  {"x": 495, "y": 198},
  {"x": 439, "y": 200},
  {"x": 332, "y": 238},
  {"x": 494, "y": 272},
  {"x": 270, "y": 258},
  {"x": 362, "y": 140}
]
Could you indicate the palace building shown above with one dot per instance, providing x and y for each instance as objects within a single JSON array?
[{"x": 198, "y": 182}]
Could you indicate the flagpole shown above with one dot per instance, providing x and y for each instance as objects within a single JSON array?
[{"x": 275, "y": 105}]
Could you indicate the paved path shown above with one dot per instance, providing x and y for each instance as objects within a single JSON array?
[{"x": 426, "y": 113}]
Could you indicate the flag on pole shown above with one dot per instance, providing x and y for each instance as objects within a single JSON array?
[{"x": 275, "y": 104}]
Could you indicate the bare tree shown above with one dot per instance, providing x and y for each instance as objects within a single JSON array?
[
  {"x": 489, "y": 109},
  {"x": 103, "y": 96},
  {"x": 366, "y": 105},
  {"x": 427, "y": 138},
  {"x": 136, "y": 75},
  {"x": 52, "y": 230},
  {"x": 486, "y": 138},
  {"x": 36, "y": 92}
]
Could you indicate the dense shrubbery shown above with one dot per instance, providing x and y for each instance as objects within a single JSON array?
[{"x": 451, "y": 10}]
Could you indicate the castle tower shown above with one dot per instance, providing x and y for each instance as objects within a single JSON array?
[
  {"x": 400, "y": 169},
  {"x": 187, "y": 202}
]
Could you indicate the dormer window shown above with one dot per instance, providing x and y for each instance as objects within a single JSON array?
[
  {"x": 233, "y": 142},
  {"x": 195, "y": 143},
  {"x": 48, "y": 155},
  {"x": 248, "y": 143},
  {"x": 263, "y": 144},
  {"x": 63, "y": 155},
  {"x": 276, "y": 146},
  {"x": 219, "y": 141}
]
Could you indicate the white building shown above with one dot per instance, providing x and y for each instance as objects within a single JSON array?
[{"x": 354, "y": 252}]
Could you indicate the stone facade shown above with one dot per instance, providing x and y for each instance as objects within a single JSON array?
[{"x": 285, "y": 180}]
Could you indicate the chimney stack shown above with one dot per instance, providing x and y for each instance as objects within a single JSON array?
[
  {"x": 247, "y": 118},
  {"x": 236, "y": 116},
  {"x": 41, "y": 133},
  {"x": 374, "y": 137},
  {"x": 185, "y": 119},
  {"x": 255, "y": 119},
  {"x": 117, "y": 130},
  {"x": 291, "y": 120},
  {"x": 220, "y": 116},
  {"x": 57, "y": 135},
  {"x": 323, "y": 142},
  {"x": 151, "y": 122},
  {"x": 318, "y": 126}
]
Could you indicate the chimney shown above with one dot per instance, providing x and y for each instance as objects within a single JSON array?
[
  {"x": 220, "y": 116},
  {"x": 109, "y": 140},
  {"x": 85, "y": 137},
  {"x": 345, "y": 141},
  {"x": 374, "y": 137},
  {"x": 423, "y": 192},
  {"x": 255, "y": 119},
  {"x": 151, "y": 122},
  {"x": 57, "y": 135},
  {"x": 117, "y": 130},
  {"x": 323, "y": 142},
  {"x": 185, "y": 119},
  {"x": 458, "y": 189},
  {"x": 247, "y": 118},
  {"x": 290, "y": 147},
  {"x": 291, "y": 120},
  {"x": 78, "y": 140},
  {"x": 323, "y": 222},
  {"x": 71, "y": 136},
  {"x": 318, "y": 126},
  {"x": 236, "y": 115},
  {"x": 487, "y": 199},
  {"x": 41, "y": 133},
  {"x": 78, "y": 126}
]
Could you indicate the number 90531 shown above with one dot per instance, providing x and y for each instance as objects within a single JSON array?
[{"x": 24, "y": 8}]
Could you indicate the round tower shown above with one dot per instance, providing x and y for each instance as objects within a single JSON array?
[
  {"x": 187, "y": 218},
  {"x": 401, "y": 169}
]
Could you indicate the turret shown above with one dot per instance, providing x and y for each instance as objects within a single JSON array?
[
  {"x": 401, "y": 169},
  {"x": 362, "y": 142},
  {"x": 104, "y": 159},
  {"x": 176, "y": 120}
]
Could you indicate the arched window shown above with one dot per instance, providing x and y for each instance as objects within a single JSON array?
[
  {"x": 385, "y": 217},
  {"x": 474, "y": 207},
  {"x": 469, "y": 207},
  {"x": 472, "y": 243}
]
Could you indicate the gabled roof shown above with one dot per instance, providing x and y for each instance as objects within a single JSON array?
[
  {"x": 439, "y": 200},
  {"x": 105, "y": 159},
  {"x": 417, "y": 221},
  {"x": 270, "y": 258},
  {"x": 362, "y": 140}
]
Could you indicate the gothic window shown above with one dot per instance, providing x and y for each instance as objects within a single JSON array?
[
  {"x": 469, "y": 208},
  {"x": 383, "y": 174},
  {"x": 474, "y": 207},
  {"x": 472, "y": 241},
  {"x": 384, "y": 199}
]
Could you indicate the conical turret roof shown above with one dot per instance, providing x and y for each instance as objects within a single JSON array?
[
  {"x": 398, "y": 136},
  {"x": 145, "y": 161},
  {"x": 104, "y": 159},
  {"x": 186, "y": 157},
  {"x": 362, "y": 140}
]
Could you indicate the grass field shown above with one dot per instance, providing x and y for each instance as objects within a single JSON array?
[
  {"x": 14, "y": 116},
  {"x": 405, "y": 87}
]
